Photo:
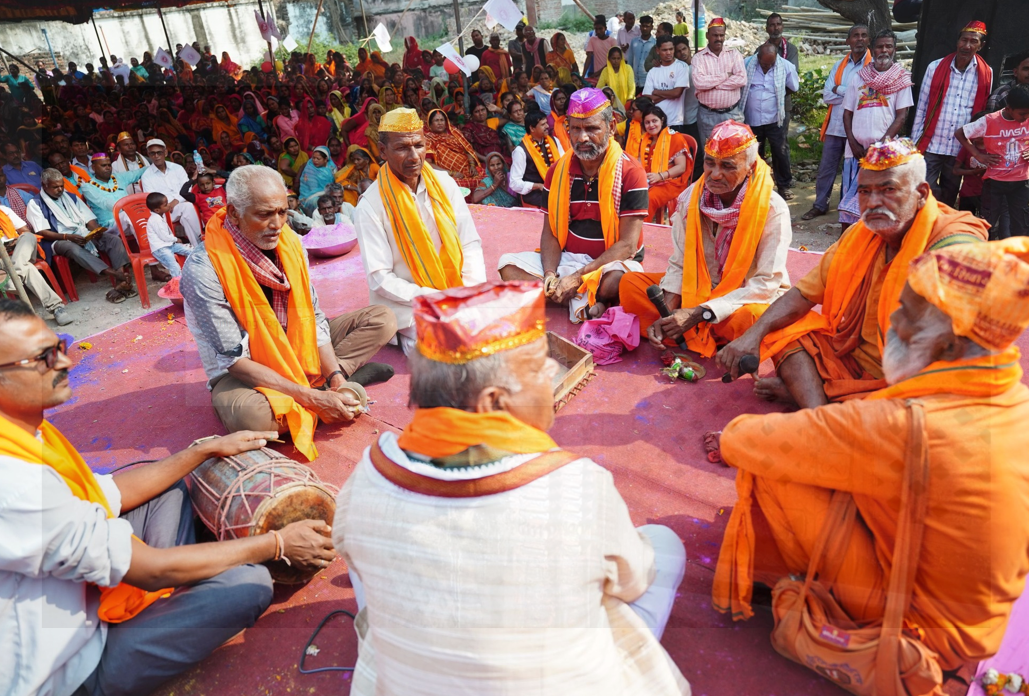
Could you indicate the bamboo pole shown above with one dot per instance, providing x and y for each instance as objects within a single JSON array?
[
  {"x": 9, "y": 267},
  {"x": 314, "y": 26}
]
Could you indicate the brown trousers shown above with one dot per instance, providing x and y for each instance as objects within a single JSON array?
[{"x": 356, "y": 337}]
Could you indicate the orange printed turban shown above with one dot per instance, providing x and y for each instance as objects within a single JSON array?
[
  {"x": 716, "y": 22},
  {"x": 977, "y": 27},
  {"x": 983, "y": 288},
  {"x": 887, "y": 154},
  {"x": 465, "y": 323},
  {"x": 729, "y": 138}
]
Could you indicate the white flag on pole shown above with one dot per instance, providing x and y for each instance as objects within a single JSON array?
[
  {"x": 262, "y": 24},
  {"x": 505, "y": 12},
  {"x": 163, "y": 58},
  {"x": 190, "y": 55},
  {"x": 447, "y": 50},
  {"x": 490, "y": 22},
  {"x": 273, "y": 27},
  {"x": 289, "y": 43},
  {"x": 381, "y": 36}
]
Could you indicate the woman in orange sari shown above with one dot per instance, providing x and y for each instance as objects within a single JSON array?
[
  {"x": 365, "y": 64},
  {"x": 224, "y": 122},
  {"x": 633, "y": 131},
  {"x": 667, "y": 157},
  {"x": 562, "y": 58},
  {"x": 447, "y": 149},
  {"x": 358, "y": 173},
  {"x": 228, "y": 65}
]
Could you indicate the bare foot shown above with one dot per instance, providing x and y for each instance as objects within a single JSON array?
[
  {"x": 773, "y": 389},
  {"x": 597, "y": 310}
]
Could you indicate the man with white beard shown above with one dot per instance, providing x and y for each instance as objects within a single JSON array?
[
  {"x": 927, "y": 475},
  {"x": 836, "y": 354}
]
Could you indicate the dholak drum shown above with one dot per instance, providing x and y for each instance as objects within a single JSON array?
[{"x": 256, "y": 492}]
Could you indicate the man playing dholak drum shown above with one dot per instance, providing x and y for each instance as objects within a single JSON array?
[
  {"x": 263, "y": 339},
  {"x": 949, "y": 347},
  {"x": 102, "y": 588},
  {"x": 529, "y": 574},
  {"x": 596, "y": 199},
  {"x": 730, "y": 233},
  {"x": 836, "y": 354},
  {"x": 416, "y": 233}
]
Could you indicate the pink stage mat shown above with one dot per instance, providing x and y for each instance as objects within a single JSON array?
[{"x": 140, "y": 394}]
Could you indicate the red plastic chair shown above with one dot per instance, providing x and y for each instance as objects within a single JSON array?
[
  {"x": 28, "y": 188},
  {"x": 64, "y": 270},
  {"x": 134, "y": 206}
]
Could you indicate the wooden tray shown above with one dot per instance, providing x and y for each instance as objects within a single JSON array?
[{"x": 576, "y": 368}]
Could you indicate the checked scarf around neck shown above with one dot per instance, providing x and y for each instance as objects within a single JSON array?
[
  {"x": 609, "y": 190},
  {"x": 268, "y": 273},
  {"x": 889, "y": 82}
]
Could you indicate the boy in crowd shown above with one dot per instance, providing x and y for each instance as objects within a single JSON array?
[
  {"x": 207, "y": 197},
  {"x": 164, "y": 245},
  {"x": 1006, "y": 154}
]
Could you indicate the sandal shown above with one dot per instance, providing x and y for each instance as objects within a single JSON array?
[
  {"x": 812, "y": 214},
  {"x": 127, "y": 290},
  {"x": 115, "y": 296}
]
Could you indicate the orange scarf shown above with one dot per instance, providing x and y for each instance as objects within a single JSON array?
[
  {"x": 855, "y": 255},
  {"x": 292, "y": 353},
  {"x": 634, "y": 140},
  {"x": 658, "y": 152},
  {"x": 537, "y": 157},
  {"x": 442, "y": 432},
  {"x": 561, "y": 132},
  {"x": 559, "y": 202},
  {"x": 120, "y": 602},
  {"x": 429, "y": 268},
  {"x": 696, "y": 277},
  {"x": 7, "y": 225},
  {"x": 838, "y": 80},
  {"x": 988, "y": 375}
]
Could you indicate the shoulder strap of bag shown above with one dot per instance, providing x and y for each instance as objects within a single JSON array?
[
  {"x": 913, "y": 504},
  {"x": 841, "y": 512}
]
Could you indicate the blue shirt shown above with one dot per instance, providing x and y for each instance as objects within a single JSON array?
[
  {"x": 102, "y": 202},
  {"x": 20, "y": 87},
  {"x": 23, "y": 195},
  {"x": 639, "y": 50},
  {"x": 29, "y": 173}
]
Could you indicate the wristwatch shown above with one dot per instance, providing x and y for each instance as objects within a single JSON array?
[{"x": 707, "y": 315}]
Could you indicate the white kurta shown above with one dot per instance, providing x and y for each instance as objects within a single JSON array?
[
  {"x": 522, "y": 592},
  {"x": 390, "y": 282}
]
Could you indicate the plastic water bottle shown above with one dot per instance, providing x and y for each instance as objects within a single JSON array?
[{"x": 199, "y": 162}]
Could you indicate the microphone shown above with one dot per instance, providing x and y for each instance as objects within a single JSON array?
[
  {"x": 657, "y": 296},
  {"x": 748, "y": 365}
]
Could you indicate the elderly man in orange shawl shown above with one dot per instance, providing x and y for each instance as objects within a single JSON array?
[
  {"x": 416, "y": 233},
  {"x": 526, "y": 562},
  {"x": 731, "y": 234},
  {"x": 836, "y": 354},
  {"x": 105, "y": 591},
  {"x": 272, "y": 358},
  {"x": 596, "y": 198},
  {"x": 925, "y": 477}
]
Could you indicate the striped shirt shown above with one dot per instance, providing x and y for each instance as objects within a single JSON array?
[
  {"x": 585, "y": 233},
  {"x": 955, "y": 111},
  {"x": 718, "y": 79}
]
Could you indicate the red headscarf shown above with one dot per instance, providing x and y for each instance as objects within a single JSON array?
[{"x": 312, "y": 131}]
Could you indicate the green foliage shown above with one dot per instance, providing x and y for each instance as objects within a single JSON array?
[
  {"x": 571, "y": 20},
  {"x": 324, "y": 42},
  {"x": 808, "y": 106}
]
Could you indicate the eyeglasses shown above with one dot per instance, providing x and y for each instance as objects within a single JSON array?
[{"x": 48, "y": 356}]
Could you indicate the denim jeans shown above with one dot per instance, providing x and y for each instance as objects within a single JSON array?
[{"x": 167, "y": 257}]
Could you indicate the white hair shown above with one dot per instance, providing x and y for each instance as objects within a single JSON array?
[
  {"x": 50, "y": 175},
  {"x": 437, "y": 384},
  {"x": 751, "y": 155},
  {"x": 914, "y": 168},
  {"x": 239, "y": 189}
]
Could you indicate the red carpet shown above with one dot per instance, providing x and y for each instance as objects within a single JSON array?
[{"x": 140, "y": 394}]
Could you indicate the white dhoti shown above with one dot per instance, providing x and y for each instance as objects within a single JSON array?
[
  {"x": 578, "y": 307},
  {"x": 186, "y": 215}
]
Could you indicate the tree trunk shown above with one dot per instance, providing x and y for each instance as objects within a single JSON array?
[{"x": 875, "y": 13}]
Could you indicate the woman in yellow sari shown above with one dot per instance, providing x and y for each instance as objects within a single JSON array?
[
  {"x": 618, "y": 76},
  {"x": 360, "y": 171},
  {"x": 388, "y": 98},
  {"x": 339, "y": 110},
  {"x": 562, "y": 58},
  {"x": 371, "y": 131},
  {"x": 291, "y": 161}
]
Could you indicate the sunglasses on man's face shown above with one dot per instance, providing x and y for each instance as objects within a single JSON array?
[{"x": 48, "y": 356}]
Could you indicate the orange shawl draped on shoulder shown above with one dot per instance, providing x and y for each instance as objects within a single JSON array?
[
  {"x": 560, "y": 194},
  {"x": 988, "y": 375},
  {"x": 429, "y": 268},
  {"x": 537, "y": 156},
  {"x": 634, "y": 140},
  {"x": 293, "y": 352},
  {"x": 696, "y": 277},
  {"x": 442, "y": 432},
  {"x": 561, "y": 132},
  {"x": 849, "y": 278},
  {"x": 120, "y": 602}
]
